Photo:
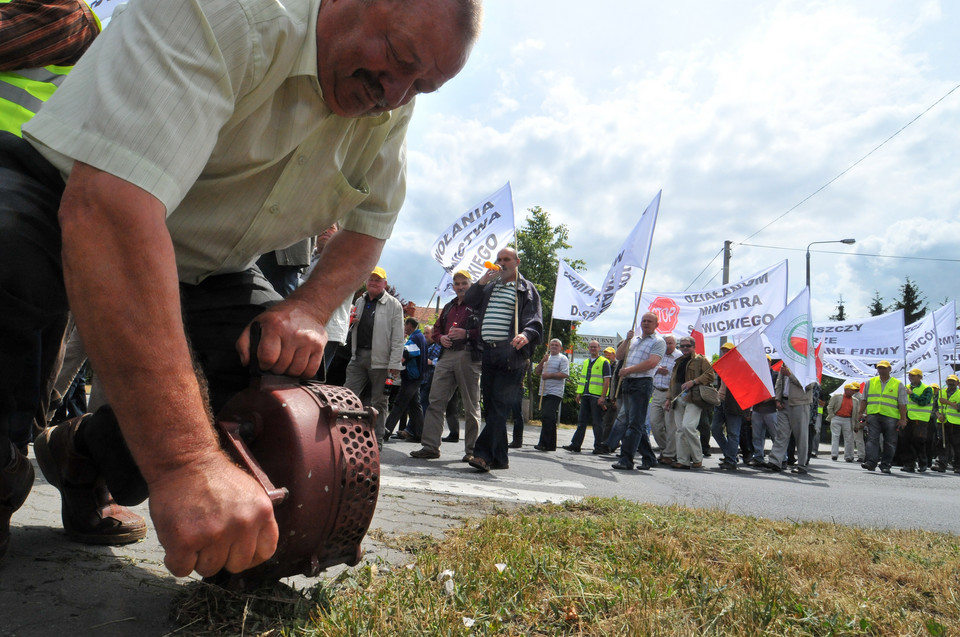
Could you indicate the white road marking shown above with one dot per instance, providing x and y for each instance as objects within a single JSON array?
[
  {"x": 513, "y": 479},
  {"x": 473, "y": 489}
]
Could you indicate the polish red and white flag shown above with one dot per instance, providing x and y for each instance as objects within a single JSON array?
[
  {"x": 745, "y": 372},
  {"x": 697, "y": 334}
]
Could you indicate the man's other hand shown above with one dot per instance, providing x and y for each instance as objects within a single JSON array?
[
  {"x": 292, "y": 339},
  {"x": 212, "y": 515}
]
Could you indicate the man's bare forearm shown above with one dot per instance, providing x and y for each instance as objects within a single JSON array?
[
  {"x": 345, "y": 263},
  {"x": 121, "y": 280}
]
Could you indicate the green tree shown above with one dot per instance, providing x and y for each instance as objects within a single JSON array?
[
  {"x": 841, "y": 313},
  {"x": 876, "y": 305},
  {"x": 911, "y": 301},
  {"x": 538, "y": 243}
]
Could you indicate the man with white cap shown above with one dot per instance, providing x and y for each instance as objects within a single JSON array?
[
  {"x": 913, "y": 437},
  {"x": 661, "y": 421},
  {"x": 884, "y": 410},
  {"x": 376, "y": 338},
  {"x": 841, "y": 411}
]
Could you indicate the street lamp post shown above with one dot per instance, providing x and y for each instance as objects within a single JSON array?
[{"x": 846, "y": 241}]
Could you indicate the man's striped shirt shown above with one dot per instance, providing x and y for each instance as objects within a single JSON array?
[{"x": 497, "y": 322}]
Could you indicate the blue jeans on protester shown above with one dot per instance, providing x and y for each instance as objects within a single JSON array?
[
  {"x": 634, "y": 401},
  {"x": 618, "y": 429},
  {"x": 500, "y": 385},
  {"x": 877, "y": 426},
  {"x": 590, "y": 414},
  {"x": 729, "y": 441}
]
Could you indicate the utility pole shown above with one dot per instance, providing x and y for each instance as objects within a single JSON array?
[{"x": 726, "y": 273}]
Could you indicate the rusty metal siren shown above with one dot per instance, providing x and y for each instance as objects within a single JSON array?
[{"x": 313, "y": 448}]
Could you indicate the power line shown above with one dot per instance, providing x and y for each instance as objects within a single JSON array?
[
  {"x": 704, "y": 269},
  {"x": 852, "y": 166},
  {"x": 823, "y": 187},
  {"x": 852, "y": 254}
]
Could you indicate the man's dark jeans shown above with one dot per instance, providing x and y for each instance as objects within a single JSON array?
[
  {"x": 635, "y": 399},
  {"x": 549, "y": 411},
  {"x": 500, "y": 378},
  {"x": 590, "y": 414},
  {"x": 726, "y": 431},
  {"x": 886, "y": 427}
]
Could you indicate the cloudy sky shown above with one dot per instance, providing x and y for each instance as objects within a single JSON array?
[{"x": 737, "y": 110}]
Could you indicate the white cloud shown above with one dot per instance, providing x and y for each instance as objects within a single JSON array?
[{"x": 737, "y": 124}]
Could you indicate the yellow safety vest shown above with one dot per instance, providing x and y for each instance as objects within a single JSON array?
[
  {"x": 23, "y": 92},
  {"x": 595, "y": 388},
  {"x": 883, "y": 402},
  {"x": 952, "y": 413},
  {"x": 915, "y": 411}
]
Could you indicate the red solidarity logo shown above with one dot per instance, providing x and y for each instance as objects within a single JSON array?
[{"x": 668, "y": 313}]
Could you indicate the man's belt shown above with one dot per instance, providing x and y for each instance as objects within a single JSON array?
[{"x": 497, "y": 344}]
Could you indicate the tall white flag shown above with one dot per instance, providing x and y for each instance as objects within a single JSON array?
[
  {"x": 474, "y": 237},
  {"x": 573, "y": 295},
  {"x": 791, "y": 332},
  {"x": 577, "y": 300}
]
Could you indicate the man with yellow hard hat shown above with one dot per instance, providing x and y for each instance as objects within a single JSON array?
[
  {"x": 376, "y": 335},
  {"x": 884, "y": 410},
  {"x": 841, "y": 411},
  {"x": 919, "y": 412},
  {"x": 950, "y": 406}
]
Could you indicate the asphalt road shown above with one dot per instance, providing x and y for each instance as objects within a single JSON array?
[
  {"x": 50, "y": 586},
  {"x": 832, "y": 491}
]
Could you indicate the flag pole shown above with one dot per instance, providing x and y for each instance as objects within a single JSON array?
[
  {"x": 436, "y": 290},
  {"x": 936, "y": 340}
]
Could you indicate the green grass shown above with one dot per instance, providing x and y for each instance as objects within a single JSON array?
[{"x": 611, "y": 567}]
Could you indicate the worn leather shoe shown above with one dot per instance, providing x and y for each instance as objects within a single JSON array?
[
  {"x": 450, "y": 439},
  {"x": 16, "y": 480},
  {"x": 572, "y": 448},
  {"x": 622, "y": 466},
  {"x": 87, "y": 509},
  {"x": 479, "y": 464},
  {"x": 425, "y": 453}
]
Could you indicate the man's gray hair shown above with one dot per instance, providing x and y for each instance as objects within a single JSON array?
[
  {"x": 469, "y": 17},
  {"x": 687, "y": 339},
  {"x": 557, "y": 341}
]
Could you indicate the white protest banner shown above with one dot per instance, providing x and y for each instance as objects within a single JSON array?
[
  {"x": 581, "y": 300},
  {"x": 949, "y": 350},
  {"x": 850, "y": 349},
  {"x": 792, "y": 334},
  {"x": 476, "y": 236},
  {"x": 734, "y": 309},
  {"x": 573, "y": 296},
  {"x": 947, "y": 333},
  {"x": 922, "y": 343}
]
